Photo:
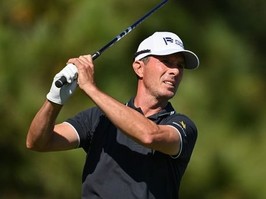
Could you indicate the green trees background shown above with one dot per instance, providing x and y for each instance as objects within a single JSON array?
[{"x": 225, "y": 96}]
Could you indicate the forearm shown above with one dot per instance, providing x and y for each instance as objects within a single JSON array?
[
  {"x": 127, "y": 119},
  {"x": 41, "y": 128}
]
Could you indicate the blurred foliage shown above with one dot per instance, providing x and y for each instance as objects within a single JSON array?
[{"x": 225, "y": 96}]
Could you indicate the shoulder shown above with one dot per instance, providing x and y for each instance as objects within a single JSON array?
[
  {"x": 86, "y": 120},
  {"x": 185, "y": 125},
  {"x": 90, "y": 113},
  {"x": 184, "y": 121},
  {"x": 181, "y": 120},
  {"x": 188, "y": 134}
]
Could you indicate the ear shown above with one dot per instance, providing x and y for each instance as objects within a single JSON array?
[{"x": 138, "y": 68}]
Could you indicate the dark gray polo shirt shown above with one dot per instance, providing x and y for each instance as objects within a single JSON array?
[{"x": 117, "y": 167}]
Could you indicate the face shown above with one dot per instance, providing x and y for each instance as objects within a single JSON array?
[{"x": 162, "y": 75}]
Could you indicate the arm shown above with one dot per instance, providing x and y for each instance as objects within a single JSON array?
[
  {"x": 44, "y": 135},
  {"x": 162, "y": 138}
]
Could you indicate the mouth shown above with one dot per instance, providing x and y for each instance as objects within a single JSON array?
[{"x": 170, "y": 83}]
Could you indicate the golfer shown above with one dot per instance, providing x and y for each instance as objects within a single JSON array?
[{"x": 136, "y": 150}]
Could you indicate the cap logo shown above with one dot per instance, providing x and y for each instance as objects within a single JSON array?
[{"x": 173, "y": 41}]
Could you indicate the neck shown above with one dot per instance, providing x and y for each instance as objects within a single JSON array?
[{"x": 149, "y": 105}]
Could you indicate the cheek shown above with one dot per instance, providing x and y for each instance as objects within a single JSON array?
[
  {"x": 153, "y": 74},
  {"x": 150, "y": 80},
  {"x": 155, "y": 70}
]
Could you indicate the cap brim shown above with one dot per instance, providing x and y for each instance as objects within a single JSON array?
[{"x": 191, "y": 59}]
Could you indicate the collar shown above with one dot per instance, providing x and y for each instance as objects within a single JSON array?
[{"x": 166, "y": 111}]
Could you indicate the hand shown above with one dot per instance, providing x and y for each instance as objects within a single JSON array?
[
  {"x": 85, "y": 69},
  {"x": 60, "y": 95}
]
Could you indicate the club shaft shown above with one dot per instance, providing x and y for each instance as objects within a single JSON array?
[
  {"x": 128, "y": 30},
  {"x": 59, "y": 83}
]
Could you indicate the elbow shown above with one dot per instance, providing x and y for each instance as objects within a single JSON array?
[
  {"x": 34, "y": 148},
  {"x": 148, "y": 138},
  {"x": 30, "y": 145},
  {"x": 29, "y": 142}
]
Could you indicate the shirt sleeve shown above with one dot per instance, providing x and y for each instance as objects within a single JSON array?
[
  {"x": 188, "y": 134},
  {"x": 85, "y": 123}
]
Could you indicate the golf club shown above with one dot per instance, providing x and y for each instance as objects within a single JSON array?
[{"x": 60, "y": 82}]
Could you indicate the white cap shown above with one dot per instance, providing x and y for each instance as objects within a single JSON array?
[{"x": 166, "y": 43}]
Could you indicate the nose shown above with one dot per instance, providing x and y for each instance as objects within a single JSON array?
[{"x": 175, "y": 71}]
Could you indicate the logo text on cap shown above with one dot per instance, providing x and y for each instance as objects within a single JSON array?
[{"x": 171, "y": 40}]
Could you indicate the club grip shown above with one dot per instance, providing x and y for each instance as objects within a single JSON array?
[{"x": 60, "y": 82}]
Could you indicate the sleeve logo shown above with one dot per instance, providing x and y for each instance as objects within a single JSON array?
[{"x": 183, "y": 124}]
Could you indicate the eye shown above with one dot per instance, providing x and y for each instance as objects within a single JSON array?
[
  {"x": 166, "y": 62},
  {"x": 180, "y": 65},
  {"x": 170, "y": 64}
]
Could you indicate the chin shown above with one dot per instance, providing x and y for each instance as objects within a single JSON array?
[{"x": 168, "y": 96}]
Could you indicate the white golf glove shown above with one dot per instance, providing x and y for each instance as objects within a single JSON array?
[{"x": 60, "y": 95}]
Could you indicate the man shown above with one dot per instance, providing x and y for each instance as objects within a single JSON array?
[{"x": 135, "y": 150}]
